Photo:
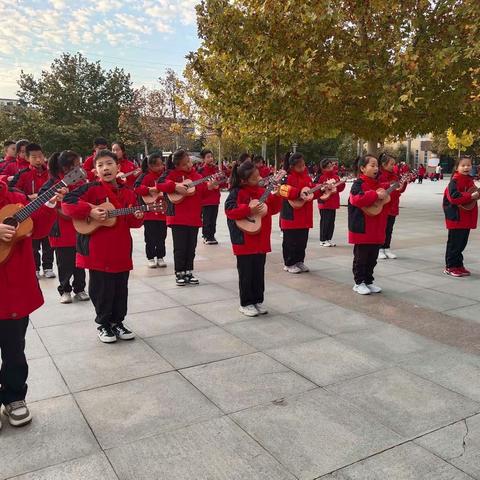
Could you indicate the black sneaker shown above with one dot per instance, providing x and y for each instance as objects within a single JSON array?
[
  {"x": 189, "y": 278},
  {"x": 18, "y": 413},
  {"x": 212, "y": 241},
  {"x": 122, "y": 332},
  {"x": 106, "y": 335},
  {"x": 180, "y": 280}
]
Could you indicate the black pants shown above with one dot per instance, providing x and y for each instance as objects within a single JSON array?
[
  {"x": 251, "y": 278},
  {"x": 155, "y": 232},
  {"x": 420, "y": 179},
  {"x": 67, "y": 269},
  {"x": 294, "y": 245},
  {"x": 327, "y": 224},
  {"x": 209, "y": 218},
  {"x": 457, "y": 241},
  {"x": 389, "y": 230},
  {"x": 184, "y": 245},
  {"x": 109, "y": 294},
  {"x": 364, "y": 261},
  {"x": 14, "y": 370},
  {"x": 47, "y": 253}
]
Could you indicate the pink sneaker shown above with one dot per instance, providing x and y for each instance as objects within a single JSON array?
[{"x": 453, "y": 272}]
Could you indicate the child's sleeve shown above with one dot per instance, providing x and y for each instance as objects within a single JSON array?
[
  {"x": 16, "y": 181},
  {"x": 74, "y": 203},
  {"x": 455, "y": 196},
  {"x": 289, "y": 192},
  {"x": 359, "y": 198},
  {"x": 164, "y": 184},
  {"x": 140, "y": 188},
  {"x": 132, "y": 220},
  {"x": 233, "y": 209},
  {"x": 274, "y": 203}
]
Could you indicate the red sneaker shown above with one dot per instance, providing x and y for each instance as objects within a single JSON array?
[
  {"x": 464, "y": 272},
  {"x": 453, "y": 272}
]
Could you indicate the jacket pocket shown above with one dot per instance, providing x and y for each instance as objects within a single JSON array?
[
  {"x": 287, "y": 211},
  {"x": 236, "y": 235},
  {"x": 356, "y": 219},
  {"x": 83, "y": 244},
  {"x": 452, "y": 212}
]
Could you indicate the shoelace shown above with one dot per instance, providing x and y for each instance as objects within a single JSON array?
[{"x": 18, "y": 404}]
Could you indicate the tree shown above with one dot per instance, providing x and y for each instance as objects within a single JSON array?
[{"x": 459, "y": 142}]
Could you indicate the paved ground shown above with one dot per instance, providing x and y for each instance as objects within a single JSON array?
[{"x": 330, "y": 385}]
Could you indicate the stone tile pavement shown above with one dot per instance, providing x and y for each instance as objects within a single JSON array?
[{"x": 328, "y": 386}]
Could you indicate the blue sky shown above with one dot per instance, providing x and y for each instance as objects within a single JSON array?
[{"x": 142, "y": 36}]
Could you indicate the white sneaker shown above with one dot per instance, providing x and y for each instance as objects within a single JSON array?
[
  {"x": 161, "y": 263},
  {"x": 81, "y": 297},
  {"x": 332, "y": 244},
  {"x": 249, "y": 311},
  {"x": 38, "y": 274},
  {"x": 361, "y": 289},
  {"x": 49, "y": 273},
  {"x": 261, "y": 309},
  {"x": 294, "y": 269},
  {"x": 374, "y": 288},
  {"x": 389, "y": 254},
  {"x": 152, "y": 263},
  {"x": 324, "y": 244},
  {"x": 66, "y": 297},
  {"x": 303, "y": 267},
  {"x": 382, "y": 255},
  {"x": 285, "y": 268}
]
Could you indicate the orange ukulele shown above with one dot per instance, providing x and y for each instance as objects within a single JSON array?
[{"x": 177, "y": 198}]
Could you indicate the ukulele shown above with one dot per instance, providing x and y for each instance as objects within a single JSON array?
[
  {"x": 309, "y": 191},
  {"x": 123, "y": 176},
  {"x": 89, "y": 225},
  {"x": 252, "y": 224},
  {"x": 19, "y": 216},
  {"x": 177, "y": 198}
]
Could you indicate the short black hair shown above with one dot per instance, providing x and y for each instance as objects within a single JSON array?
[
  {"x": 33, "y": 147},
  {"x": 7, "y": 143},
  {"x": 257, "y": 159},
  {"x": 325, "y": 162},
  {"x": 100, "y": 141},
  {"x": 205, "y": 152},
  {"x": 243, "y": 157},
  {"x": 106, "y": 153},
  {"x": 21, "y": 143}
]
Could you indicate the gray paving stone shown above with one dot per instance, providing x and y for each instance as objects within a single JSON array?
[
  {"x": 471, "y": 313},
  {"x": 213, "y": 450},
  {"x": 34, "y": 347},
  {"x": 265, "y": 332},
  {"x": 437, "y": 301},
  {"x": 405, "y": 462},
  {"x": 315, "y": 433},
  {"x": 191, "y": 295},
  {"x": 57, "y": 314},
  {"x": 465, "y": 287},
  {"x": 457, "y": 445},
  {"x": 195, "y": 347},
  {"x": 327, "y": 361},
  {"x": 333, "y": 319},
  {"x": 407, "y": 404},
  {"x": 246, "y": 381},
  {"x": 161, "y": 322},
  {"x": 221, "y": 312},
  {"x": 283, "y": 303},
  {"x": 44, "y": 380},
  {"x": 145, "y": 302},
  {"x": 107, "y": 364},
  {"x": 93, "y": 467},
  {"x": 144, "y": 407},
  {"x": 58, "y": 433}
]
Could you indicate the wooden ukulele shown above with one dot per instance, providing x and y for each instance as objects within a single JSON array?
[
  {"x": 309, "y": 191},
  {"x": 470, "y": 205},
  {"x": 177, "y": 198},
  {"x": 252, "y": 224},
  {"x": 123, "y": 176},
  {"x": 89, "y": 225},
  {"x": 19, "y": 216}
]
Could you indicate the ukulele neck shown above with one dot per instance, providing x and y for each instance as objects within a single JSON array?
[{"x": 119, "y": 212}]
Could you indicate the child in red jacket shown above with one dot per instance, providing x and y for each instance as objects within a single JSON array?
[
  {"x": 295, "y": 222},
  {"x": 107, "y": 252},
  {"x": 211, "y": 200},
  {"x": 99, "y": 144},
  {"x": 365, "y": 232},
  {"x": 20, "y": 295},
  {"x": 63, "y": 237},
  {"x": 250, "y": 250},
  {"x": 125, "y": 165},
  {"x": 184, "y": 218},
  {"x": 155, "y": 223},
  {"x": 20, "y": 163},
  {"x": 9, "y": 157},
  {"x": 459, "y": 221},
  {"x": 388, "y": 175},
  {"x": 328, "y": 206},
  {"x": 30, "y": 180}
]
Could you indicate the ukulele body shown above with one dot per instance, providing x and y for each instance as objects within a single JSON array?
[
  {"x": 377, "y": 207},
  {"x": 300, "y": 202},
  {"x": 153, "y": 198},
  {"x": 24, "y": 229},
  {"x": 89, "y": 225},
  {"x": 470, "y": 205},
  {"x": 252, "y": 224},
  {"x": 177, "y": 198}
]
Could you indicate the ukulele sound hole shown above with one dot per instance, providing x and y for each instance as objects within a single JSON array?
[
  {"x": 251, "y": 220},
  {"x": 10, "y": 221}
]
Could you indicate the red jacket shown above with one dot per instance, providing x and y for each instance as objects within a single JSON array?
[
  {"x": 189, "y": 210},
  {"x": 296, "y": 218},
  {"x": 20, "y": 294},
  {"x": 264, "y": 171},
  {"x": 126, "y": 166},
  {"x": 108, "y": 249},
  {"x": 363, "y": 229},
  {"x": 394, "y": 204},
  {"x": 143, "y": 182},
  {"x": 62, "y": 233},
  {"x": 29, "y": 180},
  {"x": 236, "y": 208},
  {"x": 13, "y": 167},
  {"x": 456, "y": 194},
  {"x": 211, "y": 197},
  {"x": 89, "y": 165},
  {"x": 333, "y": 202}
]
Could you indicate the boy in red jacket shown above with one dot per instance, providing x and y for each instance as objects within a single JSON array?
[
  {"x": 8, "y": 155},
  {"x": 459, "y": 221},
  {"x": 30, "y": 180},
  {"x": 99, "y": 144},
  {"x": 20, "y": 162},
  {"x": 107, "y": 252},
  {"x": 211, "y": 199},
  {"x": 20, "y": 295},
  {"x": 328, "y": 207}
]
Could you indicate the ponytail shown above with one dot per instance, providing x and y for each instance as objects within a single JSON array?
[
  {"x": 241, "y": 173},
  {"x": 54, "y": 165},
  {"x": 291, "y": 159},
  {"x": 144, "y": 165}
]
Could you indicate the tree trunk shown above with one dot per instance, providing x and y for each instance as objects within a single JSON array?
[
  {"x": 372, "y": 147},
  {"x": 264, "y": 150},
  {"x": 409, "y": 151},
  {"x": 277, "y": 143},
  {"x": 145, "y": 146},
  {"x": 220, "y": 153}
]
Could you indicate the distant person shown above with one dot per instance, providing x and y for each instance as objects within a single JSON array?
[
  {"x": 125, "y": 165},
  {"x": 438, "y": 172},
  {"x": 421, "y": 173},
  {"x": 99, "y": 144},
  {"x": 20, "y": 163},
  {"x": 259, "y": 163}
]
